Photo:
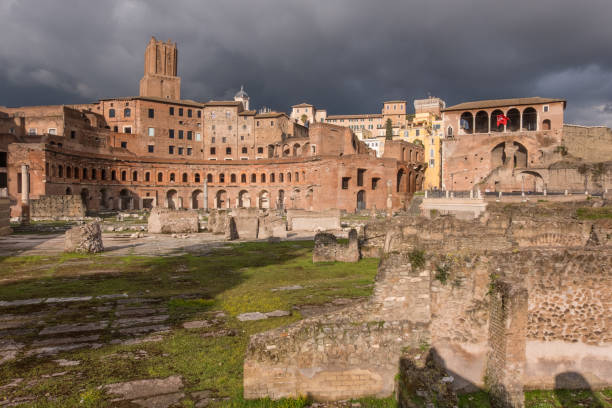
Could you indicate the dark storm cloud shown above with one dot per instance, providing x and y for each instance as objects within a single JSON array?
[{"x": 345, "y": 55}]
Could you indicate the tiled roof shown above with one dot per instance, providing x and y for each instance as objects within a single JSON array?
[
  {"x": 302, "y": 105},
  {"x": 223, "y": 103},
  {"x": 270, "y": 115},
  {"x": 362, "y": 116},
  {"x": 495, "y": 103}
]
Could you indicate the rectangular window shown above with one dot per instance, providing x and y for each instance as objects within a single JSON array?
[
  {"x": 172, "y": 111},
  {"x": 52, "y": 131},
  {"x": 228, "y": 150},
  {"x": 151, "y": 132},
  {"x": 189, "y": 151},
  {"x": 189, "y": 135},
  {"x": 375, "y": 182},
  {"x": 213, "y": 150},
  {"x": 180, "y": 151},
  {"x": 151, "y": 148},
  {"x": 212, "y": 139},
  {"x": 189, "y": 113},
  {"x": 170, "y": 149},
  {"x": 224, "y": 140},
  {"x": 151, "y": 113},
  {"x": 545, "y": 108},
  {"x": 345, "y": 183},
  {"x": 416, "y": 133},
  {"x": 31, "y": 131},
  {"x": 180, "y": 134},
  {"x": 360, "y": 174},
  {"x": 198, "y": 137},
  {"x": 72, "y": 134},
  {"x": 432, "y": 163},
  {"x": 180, "y": 111},
  {"x": 171, "y": 133},
  {"x": 199, "y": 114},
  {"x": 124, "y": 145},
  {"x": 3, "y": 160},
  {"x": 127, "y": 129}
]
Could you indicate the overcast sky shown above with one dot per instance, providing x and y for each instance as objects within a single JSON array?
[{"x": 344, "y": 55}]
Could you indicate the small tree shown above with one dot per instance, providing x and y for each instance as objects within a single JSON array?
[
  {"x": 418, "y": 142},
  {"x": 389, "y": 133},
  {"x": 304, "y": 118}
]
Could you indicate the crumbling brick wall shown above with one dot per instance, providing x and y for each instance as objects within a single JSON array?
[
  {"x": 327, "y": 248},
  {"x": 5, "y": 208},
  {"x": 167, "y": 221},
  {"x": 57, "y": 207}
]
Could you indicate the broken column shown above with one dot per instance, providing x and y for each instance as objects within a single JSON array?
[
  {"x": 84, "y": 239},
  {"x": 25, "y": 194}
]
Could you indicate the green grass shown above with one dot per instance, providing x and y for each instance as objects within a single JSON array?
[
  {"x": 547, "y": 399},
  {"x": 589, "y": 213},
  {"x": 235, "y": 279}
]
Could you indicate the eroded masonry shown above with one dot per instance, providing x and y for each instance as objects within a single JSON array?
[{"x": 517, "y": 299}]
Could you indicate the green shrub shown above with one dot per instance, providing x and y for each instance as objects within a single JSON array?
[{"x": 417, "y": 258}]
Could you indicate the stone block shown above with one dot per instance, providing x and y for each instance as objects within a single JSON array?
[
  {"x": 84, "y": 239},
  {"x": 5, "y": 206},
  {"x": 247, "y": 226},
  {"x": 300, "y": 220},
  {"x": 168, "y": 221},
  {"x": 231, "y": 232}
]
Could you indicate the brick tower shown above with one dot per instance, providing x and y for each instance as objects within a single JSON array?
[{"x": 160, "y": 77}]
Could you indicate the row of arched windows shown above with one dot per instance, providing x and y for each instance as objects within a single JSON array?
[
  {"x": 512, "y": 120},
  {"x": 62, "y": 171}
]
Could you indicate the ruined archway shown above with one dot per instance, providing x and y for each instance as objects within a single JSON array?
[
  {"x": 532, "y": 181},
  {"x": 125, "y": 199},
  {"x": 400, "y": 186},
  {"x": 520, "y": 155},
  {"x": 498, "y": 155},
  {"x": 221, "y": 199},
  {"x": 244, "y": 199},
  {"x": 530, "y": 119},
  {"x": 296, "y": 150},
  {"x": 172, "y": 199},
  {"x": 264, "y": 199},
  {"x": 197, "y": 199}
]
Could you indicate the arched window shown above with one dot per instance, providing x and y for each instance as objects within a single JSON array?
[
  {"x": 60, "y": 171},
  {"x": 514, "y": 120},
  {"x": 281, "y": 177},
  {"x": 123, "y": 175},
  {"x": 147, "y": 176},
  {"x": 172, "y": 177},
  {"x": 127, "y": 113},
  {"x": 114, "y": 175},
  {"x": 84, "y": 174},
  {"x": 297, "y": 177},
  {"x": 449, "y": 131},
  {"x": 221, "y": 178},
  {"x": 466, "y": 122},
  {"x": 209, "y": 178},
  {"x": 185, "y": 177},
  {"x": 263, "y": 177},
  {"x": 134, "y": 175},
  {"x": 494, "y": 115},
  {"x": 288, "y": 177},
  {"x": 271, "y": 177},
  {"x": 196, "y": 177},
  {"x": 232, "y": 178},
  {"x": 111, "y": 113},
  {"x": 546, "y": 124},
  {"x": 103, "y": 174},
  {"x": 253, "y": 178},
  {"x": 160, "y": 176},
  {"x": 76, "y": 172},
  {"x": 94, "y": 174},
  {"x": 243, "y": 178},
  {"x": 530, "y": 119},
  {"x": 68, "y": 172},
  {"x": 482, "y": 122}
]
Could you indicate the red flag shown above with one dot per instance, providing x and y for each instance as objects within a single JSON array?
[{"x": 502, "y": 120}]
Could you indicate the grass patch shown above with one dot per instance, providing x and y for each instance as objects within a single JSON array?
[{"x": 589, "y": 213}]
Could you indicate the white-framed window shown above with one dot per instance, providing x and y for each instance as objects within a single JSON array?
[
  {"x": 127, "y": 129},
  {"x": 228, "y": 158},
  {"x": 545, "y": 108},
  {"x": 151, "y": 132},
  {"x": 244, "y": 158},
  {"x": 52, "y": 131},
  {"x": 432, "y": 163},
  {"x": 198, "y": 137},
  {"x": 31, "y": 131}
]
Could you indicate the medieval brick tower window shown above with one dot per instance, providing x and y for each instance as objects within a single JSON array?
[{"x": 160, "y": 74}]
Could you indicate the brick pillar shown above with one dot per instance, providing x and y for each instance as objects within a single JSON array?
[
  {"x": 206, "y": 194},
  {"x": 25, "y": 194},
  {"x": 507, "y": 343}
]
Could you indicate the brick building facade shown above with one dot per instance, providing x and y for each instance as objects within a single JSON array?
[{"x": 158, "y": 150}]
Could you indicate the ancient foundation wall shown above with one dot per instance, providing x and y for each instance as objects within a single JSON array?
[
  {"x": 5, "y": 208},
  {"x": 167, "y": 221},
  {"x": 593, "y": 144},
  {"x": 57, "y": 207},
  {"x": 301, "y": 220}
]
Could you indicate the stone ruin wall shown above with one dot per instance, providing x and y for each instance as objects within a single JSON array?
[
  {"x": 566, "y": 281},
  {"x": 57, "y": 207},
  {"x": 5, "y": 207}
]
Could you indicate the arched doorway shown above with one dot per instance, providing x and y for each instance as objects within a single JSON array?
[
  {"x": 103, "y": 198},
  {"x": 244, "y": 199},
  {"x": 221, "y": 199},
  {"x": 361, "y": 200},
  {"x": 532, "y": 181},
  {"x": 85, "y": 198},
  {"x": 520, "y": 155},
  {"x": 125, "y": 199},
  {"x": 68, "y": 191},
  {"x": 498, "y": 155},
  {"x": 172, "y": 199},
  {"x": 401, "y": 181},
  {"x": 264, "y": 200},
  {"x": 197, "y": 199},
  {"x": 296, "y": 149}
]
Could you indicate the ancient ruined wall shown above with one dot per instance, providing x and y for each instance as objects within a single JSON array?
[
  {"x": 591, "y": 143},
  {"x": 57, "y": 207},
  {"x": 5, "y": 228}
]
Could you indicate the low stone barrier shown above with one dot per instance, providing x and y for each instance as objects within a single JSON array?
[
  {"x": 301, "y": 220},
  {"x": 57, "y": 207},
  {"x": 327, "y": 248},
  {"x": 168, "y": 221}
]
